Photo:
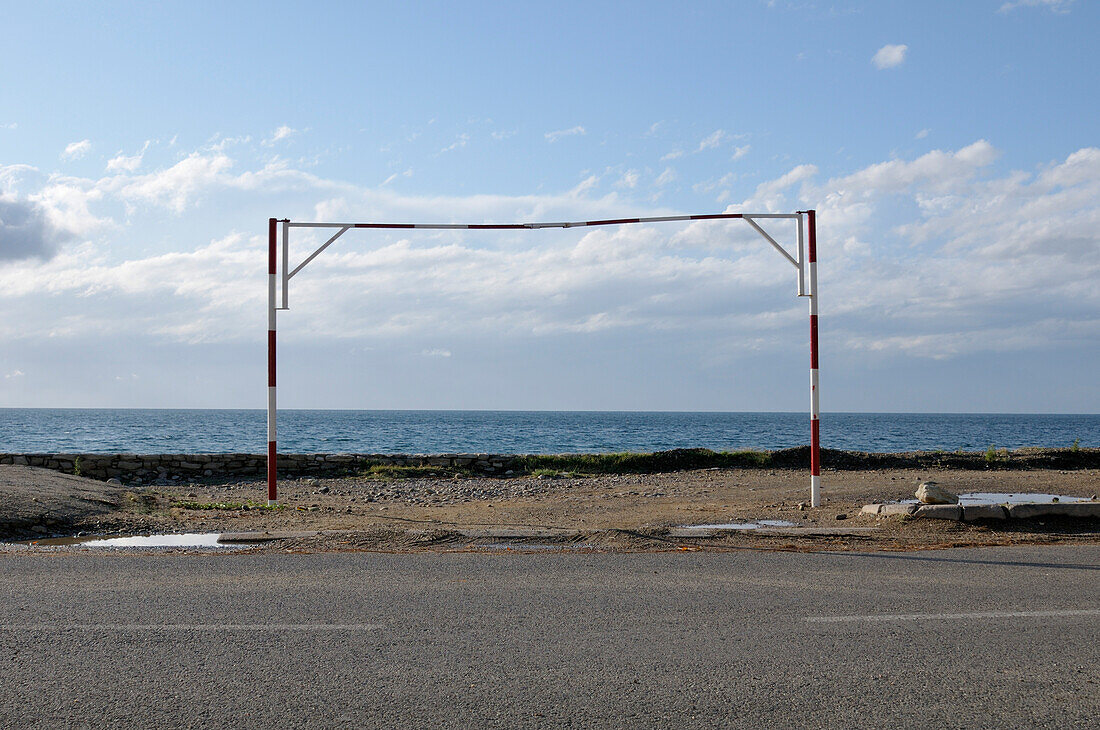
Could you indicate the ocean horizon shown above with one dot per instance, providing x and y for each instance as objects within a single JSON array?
[{"x": 192, "y": 430}]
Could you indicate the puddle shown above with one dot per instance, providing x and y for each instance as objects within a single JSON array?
[
  {"x": 187, "y": 539},
  {"x": 742, "y": 525},
  {"x": 1011, "y": 498}
]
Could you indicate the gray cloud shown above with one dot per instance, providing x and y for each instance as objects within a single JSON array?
[{"x": 26, "y": 232}]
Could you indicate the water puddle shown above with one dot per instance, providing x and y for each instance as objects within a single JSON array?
[
  {"x": 187, "y": 539},
  {"x": 1011, "y": 498},
  {"x": 742, "y": 525}
]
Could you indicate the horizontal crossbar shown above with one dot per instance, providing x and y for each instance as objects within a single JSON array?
[{"x": 529, "y": 226}]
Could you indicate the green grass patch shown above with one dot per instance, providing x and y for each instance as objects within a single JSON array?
[
  {"x": 384, "y": 471},
  {"x": 233, "y": 506}
]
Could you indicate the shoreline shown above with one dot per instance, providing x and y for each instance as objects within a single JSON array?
[{"x": 166, "y": 468}]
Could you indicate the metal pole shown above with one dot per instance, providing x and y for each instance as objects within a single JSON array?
[
  {"x": 272, "y": 493},
  {"x": 815, "y": 428}
]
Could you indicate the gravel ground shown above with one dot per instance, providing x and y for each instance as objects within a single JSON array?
[{"x": 623, "y": 511}]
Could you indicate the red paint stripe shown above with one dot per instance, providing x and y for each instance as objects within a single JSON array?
[
  {"x": 815, "y": 447},
  {"x": 271, "y": 245},
  {"x": 811, "y": 219},
  {"x": 271, "y": 358},
  {"x": 813, "y": 341},
  {"x": 715, "y": 216},
  {"x": 612, "y": 222},
  {"x": 272, "y": 490}
]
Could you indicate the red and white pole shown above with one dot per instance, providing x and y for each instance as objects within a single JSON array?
[
  {"x": 815, "y": 428},
  {"x": 272, "y": 247}
]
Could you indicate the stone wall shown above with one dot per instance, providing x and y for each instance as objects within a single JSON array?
[{"x": 183, "y": 467}]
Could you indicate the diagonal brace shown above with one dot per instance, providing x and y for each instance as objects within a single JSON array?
[
  {"x": 316, "y": 253},
  {"x": 773, "y": 242}
]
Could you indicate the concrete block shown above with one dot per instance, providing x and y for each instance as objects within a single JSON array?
[
  {"x": 939, "y": 511},
  {"x": 1060, "y": 509},
  {"x": 974, "y": 512},
  {"x": 888, "y": 509}
]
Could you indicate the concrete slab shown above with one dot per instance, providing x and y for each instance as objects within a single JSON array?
[
  {"x": 938, "y": 511},
  {"x": 974, "y": 512},
  {"x": 1068, "y": 509}
]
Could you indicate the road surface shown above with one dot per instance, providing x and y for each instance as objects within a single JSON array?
[{"x": 993, "y": 637}]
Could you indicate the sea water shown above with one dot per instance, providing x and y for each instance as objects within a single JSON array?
[{"x": 50, "y": 430}]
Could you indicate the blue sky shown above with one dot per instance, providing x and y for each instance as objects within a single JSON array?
[{"x": 951, "y": 150}]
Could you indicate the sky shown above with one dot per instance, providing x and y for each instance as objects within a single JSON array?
[{"x": 951, "y": 150}]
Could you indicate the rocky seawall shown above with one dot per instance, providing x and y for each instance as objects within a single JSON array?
[{"x": 181, "y": 467}]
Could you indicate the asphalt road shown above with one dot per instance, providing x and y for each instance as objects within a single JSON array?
[{"x": 994, "y": 637}]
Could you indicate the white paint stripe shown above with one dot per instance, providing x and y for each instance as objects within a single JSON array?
[
  {"x": 271, "y": 413},
  {"x": 271, "y": 302},
  {"x": 190, "y": 627},
  {"x": 879, "y": 618}
]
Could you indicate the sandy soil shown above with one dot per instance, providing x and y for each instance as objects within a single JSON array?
[{"x": 602, "y": 512}]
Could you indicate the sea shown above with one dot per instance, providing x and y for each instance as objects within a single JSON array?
[{"x": 152, "y": 431}]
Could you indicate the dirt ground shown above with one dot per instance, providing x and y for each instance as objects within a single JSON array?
[{"x": 625, "y": 512}]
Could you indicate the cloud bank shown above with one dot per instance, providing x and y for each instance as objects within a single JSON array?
[{"x": 935, "y": 257}]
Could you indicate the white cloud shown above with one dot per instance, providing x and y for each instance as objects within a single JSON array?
[
  {"x": 1056, "y": 6},
  {"x": 437, "y": 352},
  {"x": 283, "y": 132},
  {"x": 76, "y": 150},
  {"x": 890, "y": 56},
  {"x": 458, "y": 144},
  {"x": 10, "y": 125},
  {"x": 739, "y": 152},
  {"x": 629, "y": 179},
  {"x": 124, "y": 163},
  {"x": 672, "y": 155},
  {"x": 177, "y": 185},
  {"x": 394, "y": 176},
  {"x": 922, "y": 134},
  {"x": 712, "y": 140},
  {"x": 503, "y": 134},
  {"x": 14, "y": 374},
  {"x": 667, "y": 176},
  {"x": 556, "y": 135}
]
